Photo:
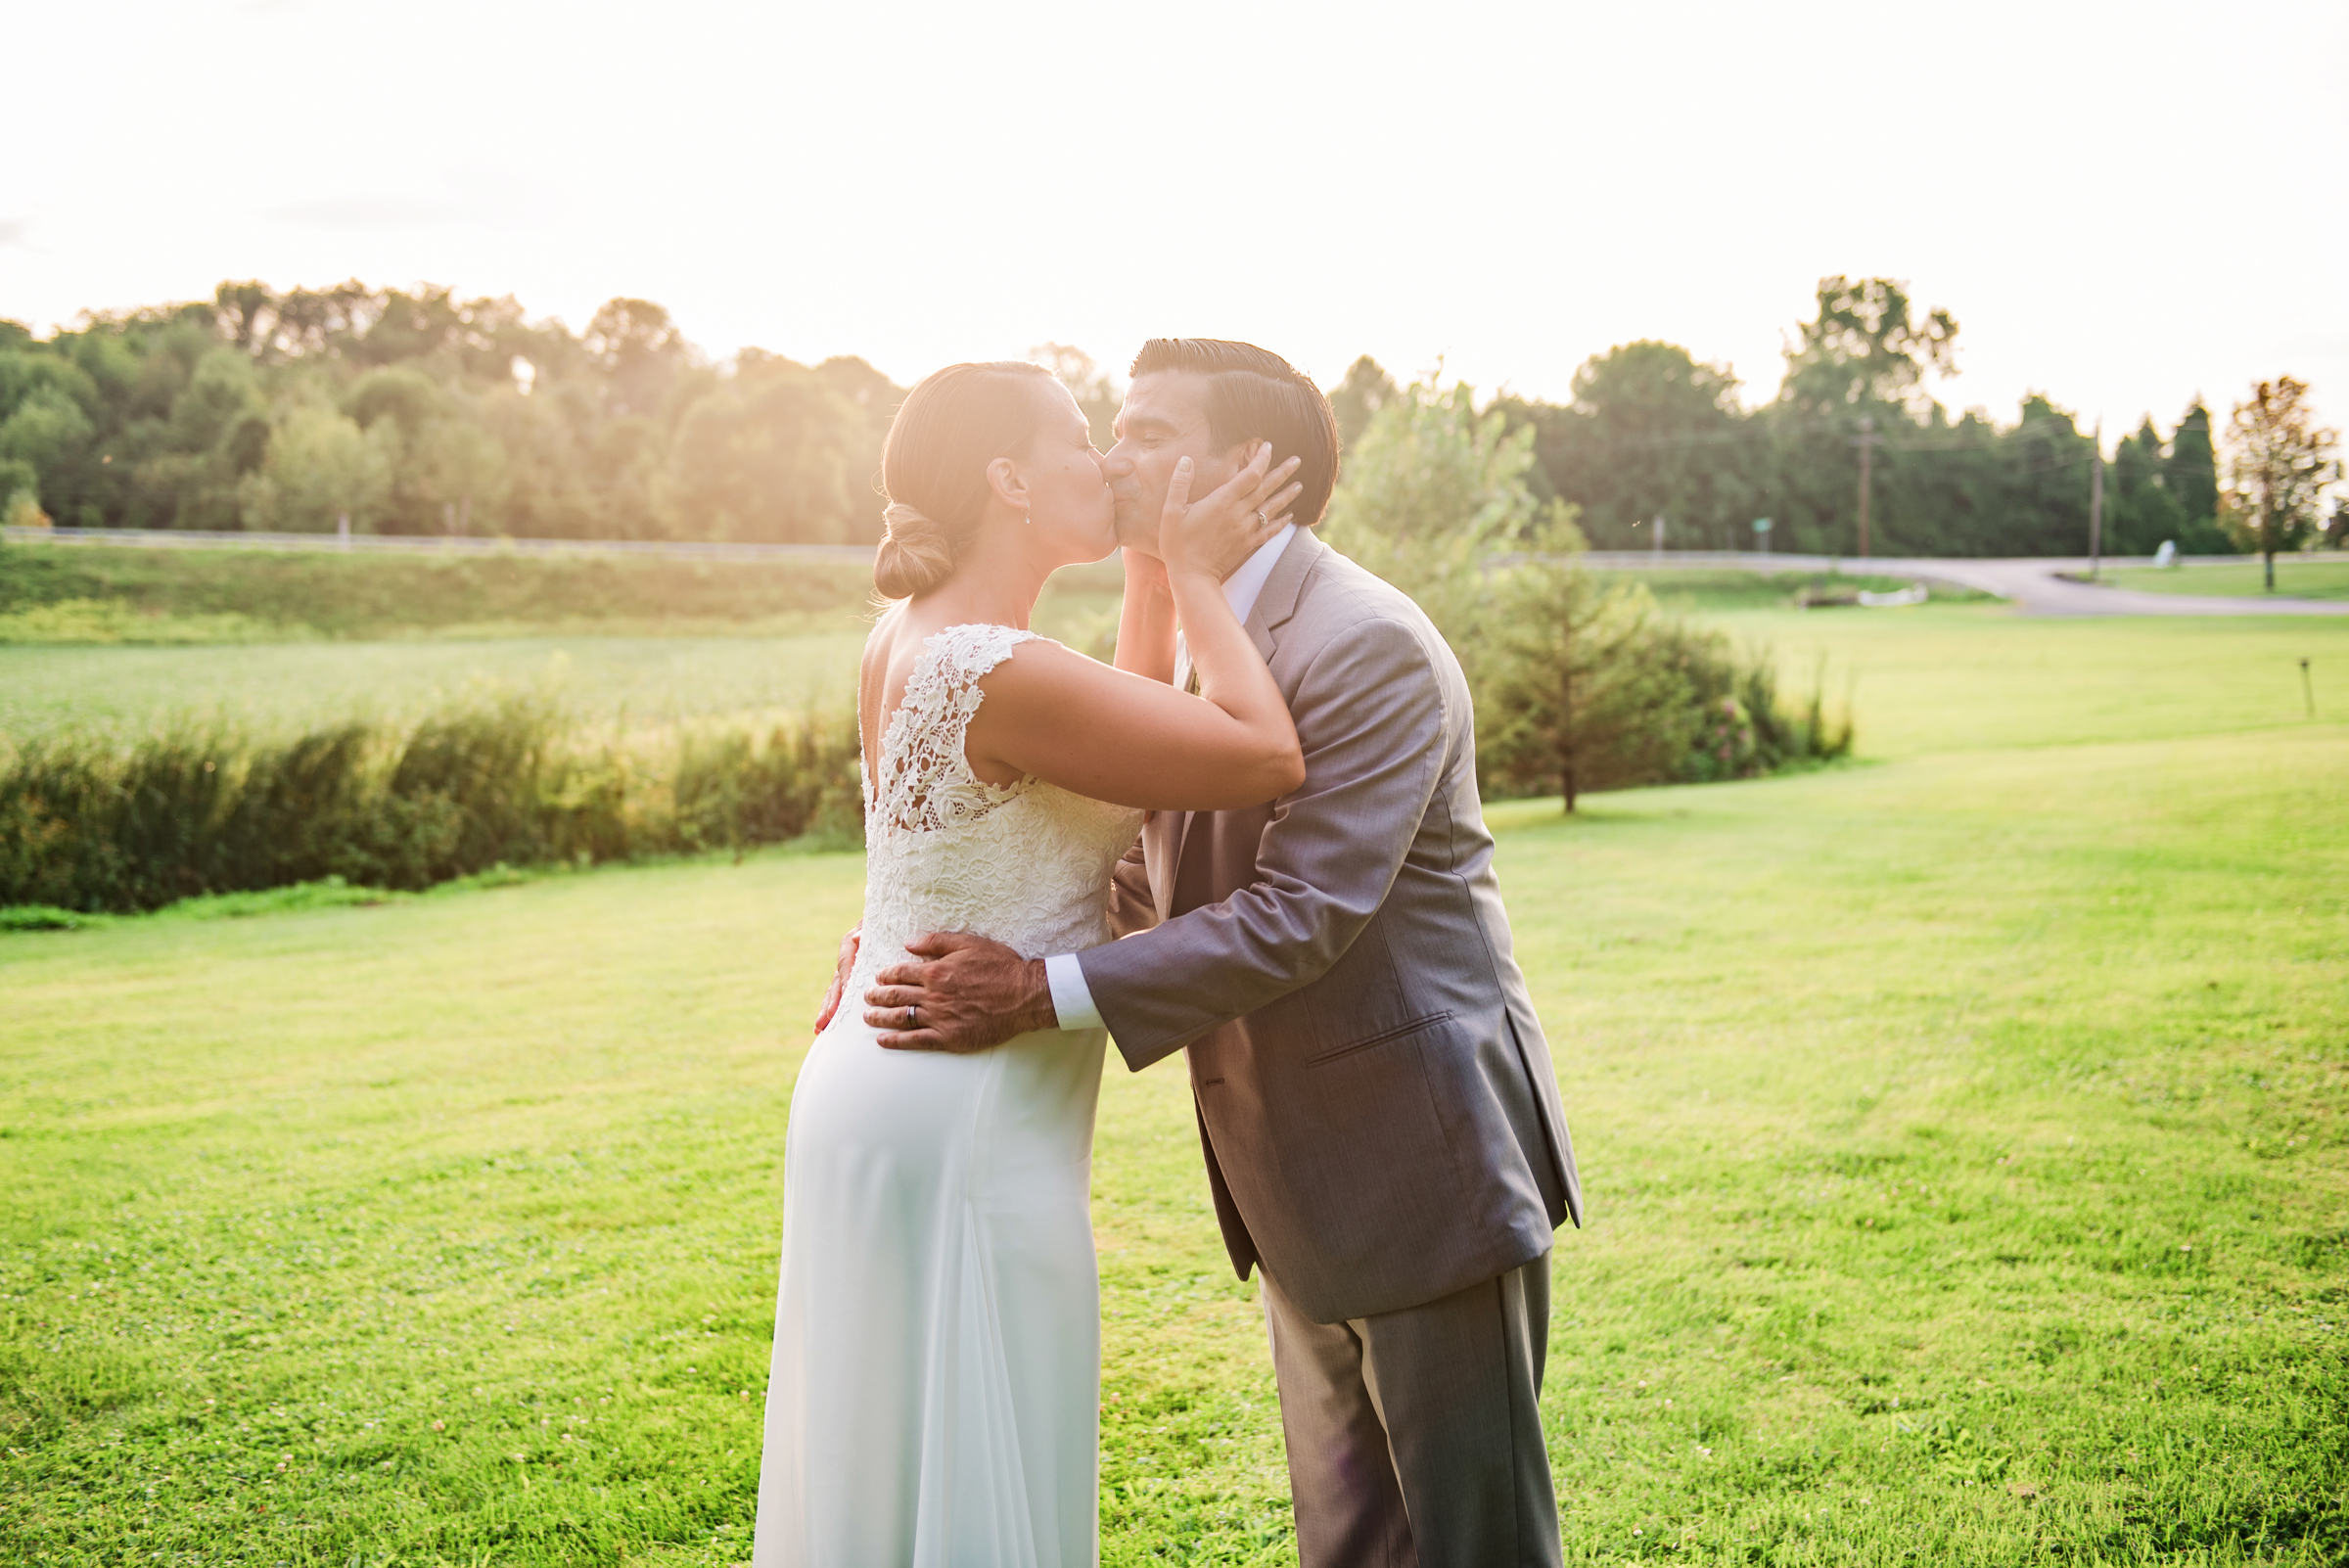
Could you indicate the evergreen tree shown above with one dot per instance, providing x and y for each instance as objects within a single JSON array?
[
  {"x": 2139, "y": 512},
  {"x": 2191, "y": 474}
]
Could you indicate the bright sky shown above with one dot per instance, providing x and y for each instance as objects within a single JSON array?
[{"x": 2124, "y": 205}]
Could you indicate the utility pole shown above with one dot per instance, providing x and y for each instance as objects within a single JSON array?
[
  {"x": 1867, "y": 441},
  {"x": 2095, "y": 507}
]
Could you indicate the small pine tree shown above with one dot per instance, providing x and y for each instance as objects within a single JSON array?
[{"x": 1570, "y": 693}]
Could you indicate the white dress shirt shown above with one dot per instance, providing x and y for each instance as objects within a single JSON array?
[{"x": 1072, "y": 999}]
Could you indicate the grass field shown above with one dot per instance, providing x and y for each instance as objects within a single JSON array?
[
  {"x": 276, "y": 687},
  {"x": 1957, "y": 676},
  {"x": 1963, "y": 1133},
  {"x": 2299, "y": 576},
  {"x": 99, "y": 593}
]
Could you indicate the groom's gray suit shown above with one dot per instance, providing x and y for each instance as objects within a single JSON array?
[{"x": 1375, "y": 1098}]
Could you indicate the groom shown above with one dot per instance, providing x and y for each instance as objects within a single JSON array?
[{"x": 1376, "y": 1102}]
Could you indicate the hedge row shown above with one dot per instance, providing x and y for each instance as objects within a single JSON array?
[{"x": 512, "y": 782}]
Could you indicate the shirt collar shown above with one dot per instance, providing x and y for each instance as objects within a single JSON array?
[{"x": 1241, "y": 588}]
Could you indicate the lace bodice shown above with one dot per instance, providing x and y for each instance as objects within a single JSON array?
[{"x": 1025, "y": 863}]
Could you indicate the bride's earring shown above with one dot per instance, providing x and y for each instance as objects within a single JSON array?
[{"x": 1027, "y": 520}]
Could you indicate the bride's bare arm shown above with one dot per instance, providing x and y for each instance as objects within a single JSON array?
[
  {"x": 1120, "y": 736},
  {"x": 1146, "y": 619}
]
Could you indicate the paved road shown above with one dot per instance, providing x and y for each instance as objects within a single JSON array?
[
  {"x": 2034, "y": 585},
  {"x": 2030, "y": 582}
]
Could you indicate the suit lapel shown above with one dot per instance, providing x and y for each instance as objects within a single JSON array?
[{"x": 1275, "y": 606}]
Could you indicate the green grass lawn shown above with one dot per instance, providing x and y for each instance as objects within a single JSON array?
[
  {"x": 2299, "y": 576},
  {"x": 1974, "y": 676},
  {"x": 1963, "y": 1133}
]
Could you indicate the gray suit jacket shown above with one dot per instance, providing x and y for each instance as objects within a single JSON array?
[{"x": 1376, "y": 1099}]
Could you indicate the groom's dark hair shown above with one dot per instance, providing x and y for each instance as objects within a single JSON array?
[{"x": 1254, "y": 393}]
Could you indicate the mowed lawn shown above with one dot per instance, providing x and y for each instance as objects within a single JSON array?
[
  {"x": 2305, "y": 577},
  {"x": 1963, "y": 1135}
]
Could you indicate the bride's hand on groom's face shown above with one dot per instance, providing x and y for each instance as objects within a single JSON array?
[
  {"x": 959, "y": 993},
  {"x": 1221, "y": 529}
]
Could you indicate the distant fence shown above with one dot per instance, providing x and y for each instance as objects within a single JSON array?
[
  {"x": 1854, "y": 565},
  {"x": 438, "y": 544},
  {"x": 1763, "y": 561}
]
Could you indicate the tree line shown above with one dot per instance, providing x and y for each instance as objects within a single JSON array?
[
  {"x": 417, "y": 412},
  {"x": 1578, "y": 685},
  {"x": 1653, "y": 438}
]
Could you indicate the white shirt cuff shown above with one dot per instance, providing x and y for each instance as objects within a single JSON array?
[{"x": 1071, "y": 998}]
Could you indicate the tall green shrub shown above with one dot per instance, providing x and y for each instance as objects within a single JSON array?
[
  {"x": 1432, "y": 488},
  {"x": 735, "y": 788}
]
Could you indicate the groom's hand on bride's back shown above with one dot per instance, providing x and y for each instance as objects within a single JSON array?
[{"x": 965, "y": 994}]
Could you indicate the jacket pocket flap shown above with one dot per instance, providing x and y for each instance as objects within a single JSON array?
[{"x": 1380, "y": 1038}]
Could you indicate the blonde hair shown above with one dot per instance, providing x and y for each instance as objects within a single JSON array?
[{"x": 934, "y": 466}]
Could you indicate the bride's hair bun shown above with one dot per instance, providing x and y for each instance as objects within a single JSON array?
[
  {"x": 934, "y": 466},
  {"x": 915, "y": 554}
]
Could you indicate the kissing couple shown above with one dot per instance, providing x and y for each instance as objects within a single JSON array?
[{"x": 1270, "y": 803}]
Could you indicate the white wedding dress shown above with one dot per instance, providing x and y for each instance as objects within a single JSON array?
[{"x": 935, "y": 1398}]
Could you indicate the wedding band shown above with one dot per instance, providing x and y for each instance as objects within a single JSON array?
[
  {"x": 1261, "y": 519},
  {"x": 909, "y": 1017}
]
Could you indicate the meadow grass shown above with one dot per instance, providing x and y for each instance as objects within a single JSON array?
[
  {"x": 115, "y": 594},
  {"x": 2297, "y": 575},
  {"x": 280, "y": 688},
  {"x": 1963, "y": 1136},
  {"x": 1930, "y": 677}
]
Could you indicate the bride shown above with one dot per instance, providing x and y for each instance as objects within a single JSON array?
[{"x": 934, "y": 1397}]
